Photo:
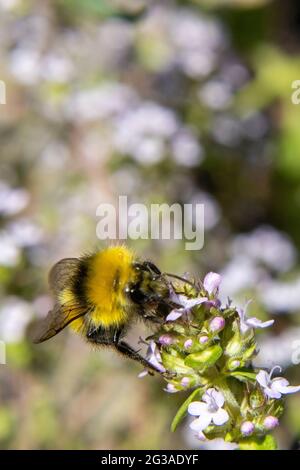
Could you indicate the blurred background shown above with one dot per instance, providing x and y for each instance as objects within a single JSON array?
[{"x": 162, "y": 101}]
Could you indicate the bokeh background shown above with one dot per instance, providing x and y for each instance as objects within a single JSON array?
[{"x": 162, "y": 101}]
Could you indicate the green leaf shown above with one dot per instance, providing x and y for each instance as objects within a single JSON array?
[
  {"x": 267, "y": 442},
  {"x": 205, "y": 358},
  {"x": 176, "y": 364},
  {"x": 182, "y": 410},
  {"x": 243, "y": 375}
]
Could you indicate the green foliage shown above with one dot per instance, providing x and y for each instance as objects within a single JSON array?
[
  {"x": 259, "y": 443},
  {"x": 181, "y": 413}
]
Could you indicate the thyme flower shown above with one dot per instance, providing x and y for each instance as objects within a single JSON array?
[
  {"x": 209, "y": 350},
  {"x": 275, "y": 388},
  {"x": 209, "y": 410},
  {"x": 253, "y": 322}
]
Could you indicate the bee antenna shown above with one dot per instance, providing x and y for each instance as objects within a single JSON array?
[{"x": 180, "y": 278}]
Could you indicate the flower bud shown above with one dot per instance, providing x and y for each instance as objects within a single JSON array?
[
  {"x": 212, "y": 282},
  {"x": 270, "y": 422},
  {"x": 247, "y": 428},
  {"x": 203, "y": 339},
  {"x": 188, "y": 343},
  {"x": 165, "y": 340},
  {"x": 217, "y": 324},
  {"x": 170, "y": 388},
  {"x": 204, "y": 358},
  {"x": 185, "y": 381}
]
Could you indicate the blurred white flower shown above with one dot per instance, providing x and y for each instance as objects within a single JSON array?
[
  {"x": 196, "y": 63},
  {"x": 9, "y": 252},
  {"x": 149, "y": 150},
  {"x": 198, "y": 40},
  {"x": 240, "y": 273},
  {"x": 255, "y": 125},
  {"x": 277, "y": 349},
  {"x": 281, "y": 296},
  {"x": 23, "y": 232},
  {"x": 234, "y": 73},
  {"x": 227, "y": 130},
  {"x": 9, "y": 4},
  {"x": 186, "y": 149},
  {"x": 142, "y": 132},
  {"x": 15, "y": 314},
  {"x": 57, "y": 68},
  {"x": 25, "y": 65},
  {"x": 55, "y": 156},
  {"x": 12, "y": 200},
  {"x": 114, "y": 38},
  {"x": 212, "y": 212},
  {"x": 191, "y": 41},
  {"x": 267, "y": 245},
  {"x": 101, "y": 102},
  {"x": 215, "y": 94}
]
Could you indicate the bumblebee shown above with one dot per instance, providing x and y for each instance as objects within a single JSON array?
[{"x": 101, "y": 294}]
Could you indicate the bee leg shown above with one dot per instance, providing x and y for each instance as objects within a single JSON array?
[
  {"x": 113, "y": 339},
  {"x": 125, "y": 349}
]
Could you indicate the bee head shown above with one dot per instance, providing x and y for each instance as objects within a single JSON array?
[{"x": 149, "y": 288}]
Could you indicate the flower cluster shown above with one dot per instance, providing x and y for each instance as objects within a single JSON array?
[{"x": 209, "y": 349}]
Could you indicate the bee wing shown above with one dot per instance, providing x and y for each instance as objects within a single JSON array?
[
  {"x": 56, "y": 320},
  {"x": 62, "y": 272}
]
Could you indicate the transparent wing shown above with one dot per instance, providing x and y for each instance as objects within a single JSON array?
[
  {"x": 56, "y": 320},
  {"x": 62, "y": 273}
]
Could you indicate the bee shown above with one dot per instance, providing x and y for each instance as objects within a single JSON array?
[{"x": 100, "y": 295}]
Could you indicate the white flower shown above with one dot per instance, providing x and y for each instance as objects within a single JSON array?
[
  {"x": 212, "y": 282},
  {"x": 170, "y": 388},
  {"x": 209, "y": 410},
  {"x": 12, "y": 200},
  {"x": 154, "y": 358},
  {"x": 274, "y": 388},
  {"x": 253, "y": 322},
  {"x": 186, "y": 305}
]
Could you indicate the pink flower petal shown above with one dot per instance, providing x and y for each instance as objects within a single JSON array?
[
  {"x": 220, "y": 417},
  {"x": 256, "y": 323},
  {"x": 202, "y": 422},
  {"x": 212, "y": 282},
  {"x": 196, "y": 408},
  {"x": 279, "y": 384},
  {"x": 282, "y": 386},
  {"x": 269, "y": 392},
  {"x": 173, "y": 315},
  {"x": 219, "y": 398},
  {"x": 143, "y": 374},
  {"x": 263, "y": 378}
]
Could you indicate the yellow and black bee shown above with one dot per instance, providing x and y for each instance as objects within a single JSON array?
[{"x": 99, "y": 296}]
